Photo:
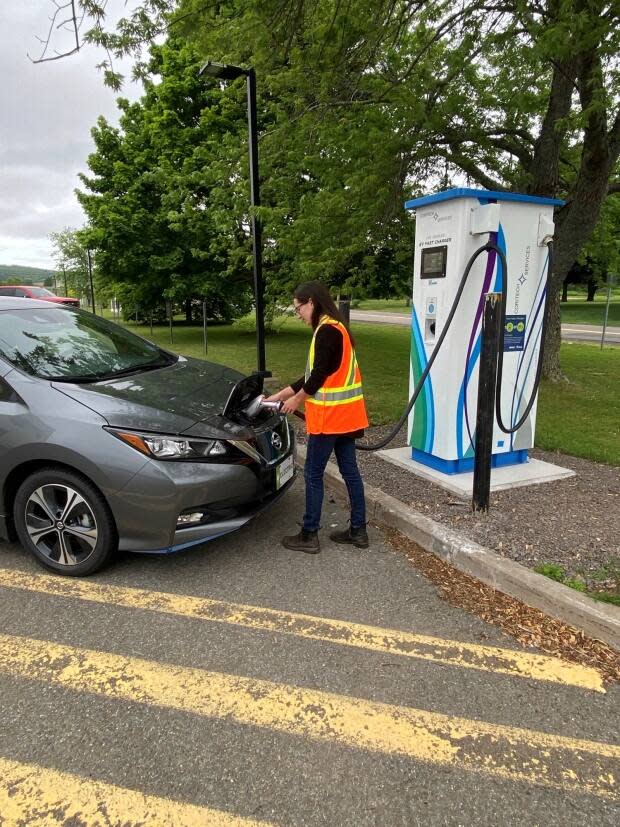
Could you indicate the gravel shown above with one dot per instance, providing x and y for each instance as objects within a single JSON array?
[{"x": 574, "y": 522}]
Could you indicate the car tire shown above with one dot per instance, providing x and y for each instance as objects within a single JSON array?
[{"x": 64, "y": 521}]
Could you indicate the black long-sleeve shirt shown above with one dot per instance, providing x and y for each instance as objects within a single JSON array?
[{"x": 327, "y": 359}]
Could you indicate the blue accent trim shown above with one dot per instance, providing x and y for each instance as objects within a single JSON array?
[
  {"x": 460, "y": 405},
  {"x": 427, "y": 391},
  {"x": 462, "y": 466},
  {"x": 482, "y": 195},
  {"x": 182, "y": 546}
]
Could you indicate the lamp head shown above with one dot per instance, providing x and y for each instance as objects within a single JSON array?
[{"x": 224, "y": 71}]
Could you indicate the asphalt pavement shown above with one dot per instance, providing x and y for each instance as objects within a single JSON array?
[
  {"x": 570, "y": 332},
  {"x": 242, "y": 683}
]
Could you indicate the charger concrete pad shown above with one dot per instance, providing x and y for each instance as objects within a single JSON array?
[{"x": 532, "y": 472}]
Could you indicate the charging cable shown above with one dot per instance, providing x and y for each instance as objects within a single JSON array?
[{"x": 488, "y": 247}]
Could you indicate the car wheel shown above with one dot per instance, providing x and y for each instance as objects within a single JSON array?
[{"x": 65, "y": 522}]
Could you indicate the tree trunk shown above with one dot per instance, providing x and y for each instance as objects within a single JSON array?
[
  {"x": 592, "y": 288},
  {"x": 188, "y": 311},
  {"x": 564, "y": 291},
  {"x": 576, "y": 221},
  {"x": 551, "y": 354}
]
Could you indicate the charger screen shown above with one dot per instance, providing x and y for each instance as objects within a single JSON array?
[{"x": 434, "y": 261}]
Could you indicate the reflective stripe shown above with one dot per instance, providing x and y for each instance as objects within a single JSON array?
[
  {"x": 351, "y": 376},
  {"x": 338, "y": 395},
  {"x": 326, "y": 404}
]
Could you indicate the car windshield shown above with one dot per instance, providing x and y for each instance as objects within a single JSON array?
[
  {"x": 40, "y": 291},
  {"x": 73, "y": 346}
]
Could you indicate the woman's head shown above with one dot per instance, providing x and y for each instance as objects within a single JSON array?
[{"x": 312, "y": 300}]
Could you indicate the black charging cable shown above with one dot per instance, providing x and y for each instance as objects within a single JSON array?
[{"x": 488, "y": 247}]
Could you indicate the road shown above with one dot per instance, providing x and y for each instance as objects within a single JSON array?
[
  {"x": 570, "y": 332},
  {"x": 241, "y": 683}
]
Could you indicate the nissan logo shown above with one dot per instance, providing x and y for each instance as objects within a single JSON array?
[{"x": 276, "y": 441}]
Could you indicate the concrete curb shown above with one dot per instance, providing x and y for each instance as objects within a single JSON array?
[{"x": 598, "y": 620}]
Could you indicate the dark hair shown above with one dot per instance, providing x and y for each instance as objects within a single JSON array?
[{"x": 323, "y": 303}]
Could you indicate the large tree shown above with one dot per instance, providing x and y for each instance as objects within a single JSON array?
[{"x": 365, "y": 103}]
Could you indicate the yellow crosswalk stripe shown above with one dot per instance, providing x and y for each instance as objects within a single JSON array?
[
  {"x": 389, "y": 641},
  {"x": 507, "y": 752},
  {"x": 40, "y": 797}
]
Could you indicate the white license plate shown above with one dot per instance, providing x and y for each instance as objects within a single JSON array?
[{"x": 284, "y": 471}]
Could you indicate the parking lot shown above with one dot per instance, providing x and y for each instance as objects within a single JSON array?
[{"x": 240, "y": 682}]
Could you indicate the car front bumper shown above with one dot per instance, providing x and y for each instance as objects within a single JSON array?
[{"x": 147, "y": 509}]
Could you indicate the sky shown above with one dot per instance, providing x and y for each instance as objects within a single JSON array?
[{"x": 46, "y": 113}]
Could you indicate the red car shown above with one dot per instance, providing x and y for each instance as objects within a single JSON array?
[{"x": 40, "y": 293}]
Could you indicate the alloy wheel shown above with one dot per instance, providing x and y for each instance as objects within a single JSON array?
[{"x": 61, "y": 524}]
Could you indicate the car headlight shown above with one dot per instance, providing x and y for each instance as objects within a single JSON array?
[{"x": 172, "y": 447}]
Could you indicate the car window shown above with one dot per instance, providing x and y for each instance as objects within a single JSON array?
[
  {"x": 7, "y": 291},
  {"x": 20, "y": 293},
  {"x": 71, "y": 345},
  {"x": 38, "y": 292}
]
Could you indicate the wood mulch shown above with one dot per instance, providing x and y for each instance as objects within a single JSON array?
[{"x": 526, "y": 625}]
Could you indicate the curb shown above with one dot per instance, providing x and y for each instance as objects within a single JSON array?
[{"x": 598, "y": 620}]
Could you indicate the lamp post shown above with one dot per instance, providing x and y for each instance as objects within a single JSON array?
[
  {"x": 90, "y": 279},
  {"x": 225, "y": 71}
]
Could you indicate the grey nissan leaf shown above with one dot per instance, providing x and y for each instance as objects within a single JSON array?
[{"x": 108, "y": 441}]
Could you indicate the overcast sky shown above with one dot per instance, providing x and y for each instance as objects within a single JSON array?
[{"x": 46, "y": 114}]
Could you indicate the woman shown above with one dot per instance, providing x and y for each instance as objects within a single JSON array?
[{"x": 331, "y": 391}]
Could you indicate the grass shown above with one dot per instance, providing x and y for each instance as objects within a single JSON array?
[
  {"x": 578, "y": 311},
  {"x": 574, "y": 311},
  {"x": 581, "y": 417},
  {"x": 556, "y": 572}
]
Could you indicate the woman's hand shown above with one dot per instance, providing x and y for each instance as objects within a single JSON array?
[
  {"x": 281, "y": 396},
  {"x": 291, "y": 404}
]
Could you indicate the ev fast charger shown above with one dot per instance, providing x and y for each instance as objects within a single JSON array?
[{"x": 450, "y": 226}]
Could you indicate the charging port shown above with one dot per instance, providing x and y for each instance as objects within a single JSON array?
[{"x": 429, "y": 330}]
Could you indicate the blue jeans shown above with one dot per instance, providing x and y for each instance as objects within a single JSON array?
[{"x": 319, "y": 449}]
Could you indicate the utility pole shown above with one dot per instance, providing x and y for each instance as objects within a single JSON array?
[{"x": 90, "y": 278}]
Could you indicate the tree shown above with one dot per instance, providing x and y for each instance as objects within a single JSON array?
[
  {"x": 70, "y": 254},
  {"x": 162, "y": 215},
  {"x": 365, "y": 104}
]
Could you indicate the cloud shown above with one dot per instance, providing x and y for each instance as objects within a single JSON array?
[{"x": 46, "y": 113}]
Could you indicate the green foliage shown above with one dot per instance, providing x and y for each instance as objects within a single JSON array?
[
  {"x": 555, "y": 572},
  {"x": 70, "y": 253},
  {"x": 18, "y": 274},
  {"x": 154, "y": 203},
  {"x": 361, "y": 105},
  {"x": 551, "y": 570}
]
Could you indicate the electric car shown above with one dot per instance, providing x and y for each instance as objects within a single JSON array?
[
  {"x": 108, "y": 441},
  {"x": 40, "y": 293}
]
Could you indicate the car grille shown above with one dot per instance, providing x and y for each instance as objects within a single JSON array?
[{"x": 274, "y": 443}]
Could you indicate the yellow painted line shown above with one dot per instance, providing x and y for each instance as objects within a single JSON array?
[
  {"x": 389, "y": 641},
  {"x": 31, "y": 795},
  {"x": 507, "y": 752}
]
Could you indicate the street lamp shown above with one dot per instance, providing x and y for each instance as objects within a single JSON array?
[{"x": 224, "y": 71}]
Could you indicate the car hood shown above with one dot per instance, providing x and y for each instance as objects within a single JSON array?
[{"x": 190, "y": 394}]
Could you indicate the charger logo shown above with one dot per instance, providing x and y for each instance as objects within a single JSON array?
[{"x": 436, "y": 217}]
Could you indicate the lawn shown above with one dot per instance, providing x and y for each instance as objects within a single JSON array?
[
  {"x": 574, "y": 311},
  {"x": 580, "y": 417}
]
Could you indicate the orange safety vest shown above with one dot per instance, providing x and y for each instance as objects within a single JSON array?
[{"x": 338, "y": 407}]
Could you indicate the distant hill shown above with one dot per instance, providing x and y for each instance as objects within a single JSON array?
[{"x": 26, "y": 275}]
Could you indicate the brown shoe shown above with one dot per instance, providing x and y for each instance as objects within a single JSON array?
[
  {"x": 357, "y": 537},
  {"x": 307, "y": 541}
]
